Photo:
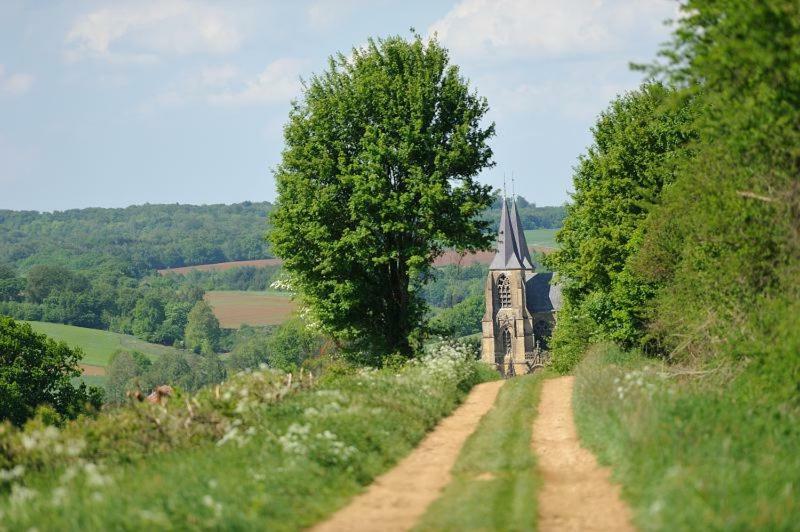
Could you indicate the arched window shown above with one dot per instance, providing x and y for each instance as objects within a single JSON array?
[
  {"x": 504, "y": 290},
  {"x": 508, "y": 344}
]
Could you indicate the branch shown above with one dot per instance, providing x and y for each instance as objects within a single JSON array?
[{"x": 753, "y": 195}]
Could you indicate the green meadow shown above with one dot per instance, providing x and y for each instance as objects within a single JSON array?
[
  {"x": 97, "y": 345},
  {"x": 541, "y": 237}
]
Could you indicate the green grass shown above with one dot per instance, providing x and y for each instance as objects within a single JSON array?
[
  {"x": 541, "y": 237},
  {"x": 289, "y": 462},
  {"x": 97, "y": 345},
  {"x": 495, "y": 481},
  {"x": 717, "y": 449}
]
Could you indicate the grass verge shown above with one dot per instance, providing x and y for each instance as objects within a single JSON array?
[
  {"x": 495, "y": 481},
  {"x": 708, "y": 449},
  {"x": 229, "y": 458}
]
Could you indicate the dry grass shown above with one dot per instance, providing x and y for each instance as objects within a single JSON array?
[{"x": 234, "y": 308}]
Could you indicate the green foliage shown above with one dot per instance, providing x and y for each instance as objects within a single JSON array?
[
  {"x": 11, "y": 286},
  {"x": 574, "y": 332},
  {"x": 377, "y": 178},
  {"x": 241, "y": 278},
  {"x": 137, "y": 239},
  {"x": 261, "y": 451},
  {"x": 124, "y": 370},
  {"x": 35, "y": 371},
  {"x": 451, "y": 284},
  {"x": 462, "y": 319},
  {"x": 725, "y": 241},
  {"x": 495, "y": 480},
  {"x": 637, "y": 144},
  {"x": 202, "y": 328},
  {"x": 285, "y": 347},
  {"x": 713, "y": 450}
]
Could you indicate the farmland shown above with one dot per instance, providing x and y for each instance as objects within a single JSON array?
[
  {"x": 97, "y": 346},
  {"x": 541, "y": 238},
  {"x": 258, "y": 263},
  {"x": 234, "y": 308},
  {"x": 538, "y": 240}
]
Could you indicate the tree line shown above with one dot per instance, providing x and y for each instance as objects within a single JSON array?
[
  {"x": 142, "y": 238},
  {"x": 682, "y": 237}
]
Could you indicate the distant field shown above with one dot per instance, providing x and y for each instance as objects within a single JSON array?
[
  {"x": 235, "y": 308},
  {"x": 98, "y": 346},
  {"x": 538, "y": 240},
  {"x": 541, "y": 238},
  {"x": 259, "y": 263}
]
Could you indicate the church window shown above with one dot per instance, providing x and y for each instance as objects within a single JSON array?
[
  {"x": 504, "y": 290},
  {"x": 508, "y": 344}
]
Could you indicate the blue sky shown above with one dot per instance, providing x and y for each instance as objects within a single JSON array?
[{"x": 109, "y": 104}]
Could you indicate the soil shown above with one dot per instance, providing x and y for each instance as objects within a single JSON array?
[
  {"x": 577, "y": 493},
  {"x": 397, "y": 499},
  {"x": 93, "y": 371}
]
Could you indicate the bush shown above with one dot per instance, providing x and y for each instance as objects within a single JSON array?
[
  {"x": 124, "y": 372},
  {"x": 35, "y": 371},
  {"x": 462, "y": 319}
]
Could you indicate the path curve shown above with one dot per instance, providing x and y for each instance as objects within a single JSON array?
[
  {"x": 577, "y": 492},
  {"x": 397, "y": 499}
]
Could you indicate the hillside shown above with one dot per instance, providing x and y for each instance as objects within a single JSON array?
[
  {"x": 142, "y": 238},
  {"x": 139, "y": 238},
  {"x": 97, "y": 345}
]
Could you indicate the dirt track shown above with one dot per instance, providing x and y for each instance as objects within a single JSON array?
[
  {"x": 397, "y": 499},
  {"x": 577, "y": 493}
]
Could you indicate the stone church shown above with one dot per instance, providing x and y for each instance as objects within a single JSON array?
[{"x": 520, "y": 303}]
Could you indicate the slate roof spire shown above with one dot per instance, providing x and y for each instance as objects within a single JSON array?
[{"x": 512, "y": 249}]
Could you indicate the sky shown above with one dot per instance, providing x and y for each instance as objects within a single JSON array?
[{"x": 110, "y": 104}]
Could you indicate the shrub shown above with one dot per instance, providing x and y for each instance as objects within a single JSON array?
[{"x": 35, "y": 370}]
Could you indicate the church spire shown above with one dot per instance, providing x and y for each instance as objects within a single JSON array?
[
  {"x": 512, "y": 250},
  {"x": 523, "y": 252}
]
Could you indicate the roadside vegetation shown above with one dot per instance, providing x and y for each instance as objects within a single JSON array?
[
  {"x": 262, "y": 450},
  {"x": 680, "y": 259},
  {"x": 719, "y": 450},
  {"x": 495, "y": 480}
]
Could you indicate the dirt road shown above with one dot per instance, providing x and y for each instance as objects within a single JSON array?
[
  {"x": 577, "y": 493},
  {"x": 397, "y": 499}
]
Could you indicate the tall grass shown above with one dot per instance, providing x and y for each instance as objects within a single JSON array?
[
  {"x": 283, "y": 465},
  {"x": 708, "y": 448},
  {"x": 495, "y": 481}
]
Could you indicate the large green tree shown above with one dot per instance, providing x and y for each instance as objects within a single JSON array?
[
  {"x": 202, "y": 328},
  {"x": 377, "y": 178},
  {"x": 638, "y": 142},
  {"x": 36, "y": 370}
]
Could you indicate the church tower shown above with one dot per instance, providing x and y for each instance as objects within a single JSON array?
[{"x": 520, "y": 304}]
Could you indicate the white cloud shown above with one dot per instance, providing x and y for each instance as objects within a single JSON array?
[
  {"x": 140, "y": 32},
  {"x": 225, "y": 85},
  {"x": 14, "y": 84},
  {"x": 279, "y": 82},
  {"x": 543, "y": 29}
]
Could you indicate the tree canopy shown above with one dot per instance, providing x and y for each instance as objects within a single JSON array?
[
  {"x": 377, "y": 178},
  {"x": 638, "y": 142},
  {"x": 36, "y": 371}
]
